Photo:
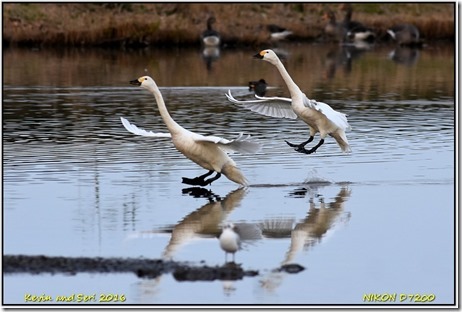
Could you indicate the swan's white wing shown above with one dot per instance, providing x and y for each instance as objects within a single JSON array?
[
  {"x": 235, "y": 101},
  {"x": 138, "y": 131},
  {"x": 274, "y": 98},
  {"x": 260, "y": 99},
  {"x": 272, "y": 109},
  {"x": 336, "y": 117},
  {"x": 241, "y": 144},
  {"x": 269, "y": 106}
]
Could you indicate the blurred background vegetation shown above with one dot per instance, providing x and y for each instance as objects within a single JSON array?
[{"x": 166, "y": 24}]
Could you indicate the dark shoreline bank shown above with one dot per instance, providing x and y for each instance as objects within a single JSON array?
[
  {"x": 127, "y": 25},
  {"x": 142, "y": 268}
]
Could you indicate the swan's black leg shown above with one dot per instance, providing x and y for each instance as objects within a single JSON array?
[
  {"x": 205, "y": 175},
  {"x": 310, "y": 151},
  {"x": 209, "y": 181},
  {"x": 321, "y": 142},
  {"x": 200, "y": 180},
  {"x": 300, "y": 147}
]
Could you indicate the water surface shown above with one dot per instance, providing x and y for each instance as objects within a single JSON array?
[{"x": 378, "y": 220}]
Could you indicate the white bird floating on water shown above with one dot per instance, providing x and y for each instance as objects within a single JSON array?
[
  {"x": 209, "y": 152},
  {"x": 319, "y": 116},
  {"x": 230, "y": 240}
]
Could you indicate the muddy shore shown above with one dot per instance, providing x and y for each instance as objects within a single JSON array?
[
  {"x": 180, "y": 24},
  {"x": 143, "y": 268}
]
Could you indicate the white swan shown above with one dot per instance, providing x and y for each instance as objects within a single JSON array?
[
  {"x": 209, "y": 152},
  {"x": 319, "y": 116}
]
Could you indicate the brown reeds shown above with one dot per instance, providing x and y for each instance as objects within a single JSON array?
[{"x": 141, "y": 24}]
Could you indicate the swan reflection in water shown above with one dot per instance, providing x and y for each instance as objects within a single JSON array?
[
  {"x": 205, "y": 221},
  {"x": 322, "y": 219}
]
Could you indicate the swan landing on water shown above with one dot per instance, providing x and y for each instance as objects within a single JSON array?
[
  {"x": 319, "y": 116},
  {"x": 209, "y": 152}
]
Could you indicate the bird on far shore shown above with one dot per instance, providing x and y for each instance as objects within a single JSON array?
[
  {"x": 405, "y": 34},
  {"x": 355, "y": 31},
  {"x": 210, "y": 37},
  {"x": 277, "y": 32},
  {"x": 333, "y": 29}
]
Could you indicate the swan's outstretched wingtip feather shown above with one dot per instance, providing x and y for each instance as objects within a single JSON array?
[
  {"x": 124, "y": 121},
  {"x": 127, "y": 125},
  {"x": 232, "y": 99},
  {"x": 243, "y": 137},
  {"x": 138, "y": 131},
  {"x": 242, "y": 144}
]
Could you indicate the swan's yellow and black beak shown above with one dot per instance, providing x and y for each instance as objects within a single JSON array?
[
  {"x": 135, "y": 82},
  {"x": 260, "y": 55}
]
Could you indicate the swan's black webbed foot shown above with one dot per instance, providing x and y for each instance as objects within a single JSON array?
[
  {"x": 200, "y": 180},
  {"x": 291, "y": 144},
  {"x": 196, "y": 181},
  {"x": 301, "y": 147},
  {"x": 298, "y": 147}
]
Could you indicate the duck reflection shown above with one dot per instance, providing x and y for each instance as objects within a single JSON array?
[
  {"x": 321, "y": 220},
  {"x": 210, "y": 55},
  {"x": 341, "y": 57},
  {"x": 405, "y": 55}
]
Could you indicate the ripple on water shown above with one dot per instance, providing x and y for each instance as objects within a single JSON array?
[{"x": 73, "y": 130}]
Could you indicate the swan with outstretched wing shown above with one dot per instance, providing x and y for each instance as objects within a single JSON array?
[
  {"x": 319, "y": 116},
  {"x": 209, "y": 152}
]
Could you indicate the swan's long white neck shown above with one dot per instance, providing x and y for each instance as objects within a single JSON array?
[
  {"x": 171, "y": 124},
  {"x": 291, "y": 85}
]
